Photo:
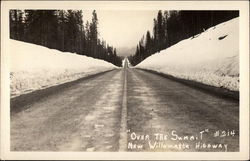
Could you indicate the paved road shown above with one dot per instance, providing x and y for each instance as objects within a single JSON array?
[{"x": 127, "y": 110}]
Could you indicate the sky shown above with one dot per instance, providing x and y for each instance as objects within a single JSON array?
[{"x": 123, "y": 29}]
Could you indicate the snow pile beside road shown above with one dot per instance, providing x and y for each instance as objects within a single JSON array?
[
  {"x": 34, "y": 67},
  {"x": 211, "y": 58}
]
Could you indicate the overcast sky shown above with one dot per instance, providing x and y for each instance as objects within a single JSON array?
[{"x": 123, "y": 29}]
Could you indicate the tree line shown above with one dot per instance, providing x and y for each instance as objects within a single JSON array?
[
  {"x": 63, "y": 30},
  {"x": 170, "y": 27}
]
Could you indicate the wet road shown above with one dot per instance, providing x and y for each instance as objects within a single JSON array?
[
  {"x": 127, "y": 110},
  {"x": 165, "y": 115}
]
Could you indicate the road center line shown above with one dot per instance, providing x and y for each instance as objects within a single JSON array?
[{"x": 123, "y": 126}]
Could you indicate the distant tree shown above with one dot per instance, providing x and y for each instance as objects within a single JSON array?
[
  {"x": 148, "y": 44},
  {"x": 41, "y": 27},
  {"x": 94, "y": 34},
  {"x": 156, "y": 36},
  {"x": 61, "y": 30},
  {"x": 80, "y": 39},
  {"x": 160, "y": 31},
  {"x": 165, "y": 24},
  {"x": 16, "y": 24}
]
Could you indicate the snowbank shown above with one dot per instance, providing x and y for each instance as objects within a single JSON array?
[
  {"x": 34, "y": 67},
  {"x": 211, "y": 58}
]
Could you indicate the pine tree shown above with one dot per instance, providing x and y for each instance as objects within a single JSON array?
[
  {"x": 80, "y": 32},
  {"x": 16, "y": 24},
  {"x": 160, "y": 31},
  {"x": 41, "y": 27},
  {"x": 148, "y": 44},
  {"x": 93, "y": 34},
  {"x": 61, "y": 30},
  {"x": 156, "y": 36},
  {"x": 71, "y": 31},
  {"x": 165, "y": 24}
]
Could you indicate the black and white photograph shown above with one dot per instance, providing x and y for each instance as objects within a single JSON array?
[{"x": 101, "y": 79}]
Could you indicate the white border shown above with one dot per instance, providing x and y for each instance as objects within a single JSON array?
[{"x": 243, "y": 6}]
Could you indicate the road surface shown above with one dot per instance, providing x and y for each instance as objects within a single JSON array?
[{"x": 127, "y": 110}]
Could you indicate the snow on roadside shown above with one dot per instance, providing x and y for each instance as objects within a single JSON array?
[
  {"x": 34, "y": 67},
  {"x": 211, "y": 58}
]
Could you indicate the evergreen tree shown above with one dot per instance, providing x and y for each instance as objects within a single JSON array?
[
  {"x": 160, "y": 31},
  {"x": 87, "y": 38},
  {"x": 16, "y": 24},
  {"x": 156, "y": 36},
  {"x": 61, "y": 30},
  {"x": 41, "y": 27},
  {"x": 148, "y": 44},
  {"x": 93, "y": 34},
  {"x": 165, "y": 23}
]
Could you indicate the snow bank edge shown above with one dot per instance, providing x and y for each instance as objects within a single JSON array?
[
  {"x": 19, "y": 102},
  {"x": 221, "y": 92}
]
